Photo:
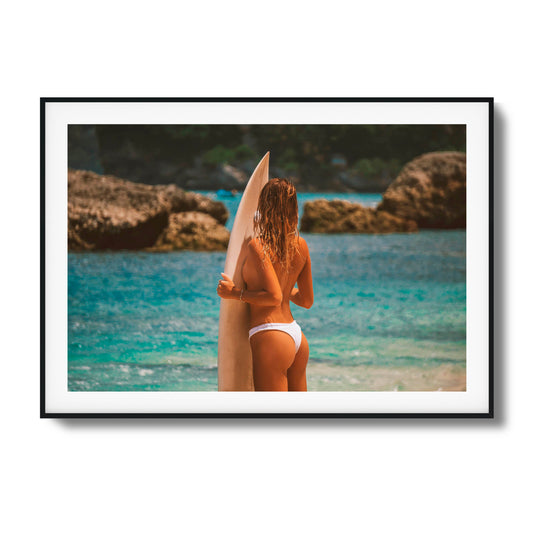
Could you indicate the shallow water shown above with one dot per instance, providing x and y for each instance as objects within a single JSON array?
[{"x": 389, "y": 314}]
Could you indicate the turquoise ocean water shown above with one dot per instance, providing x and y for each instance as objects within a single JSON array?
[{"x": 389, "y": 314}]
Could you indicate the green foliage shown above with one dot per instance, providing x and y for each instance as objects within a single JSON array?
[
  {"x": 303, "y": 150},
  {"x": 220, "y": 155},
  {"x": 243, "y": 152},
  {"x": 83, "y": 150},
  {"x": 289, "y": 160},
  {"x": 377, "y": 168}
]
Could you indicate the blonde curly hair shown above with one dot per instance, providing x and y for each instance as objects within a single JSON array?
[{"x": 276, "y": 221}]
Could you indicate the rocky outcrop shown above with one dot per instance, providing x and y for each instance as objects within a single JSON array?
[
  {"x": 179, "y": 201},
  {"x": 106, "y": 212},
  {"x": 109, "y": 213},
  {"x": 341, "y": 216},
  {"x": 192, "y": 231},
  {"x": 431, "y": 190},
  {"x": 75, "y": 242}
]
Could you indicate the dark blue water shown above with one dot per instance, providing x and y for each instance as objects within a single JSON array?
[{"x": 389, "y": 314}]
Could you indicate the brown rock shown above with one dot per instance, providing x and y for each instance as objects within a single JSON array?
[
  {"x": 431, "y": 190},
  {"x": 192, "y": 231},
  {"x": 106, "y": 212},
  {"x": 110, "y": 213},
  {"x": 341, "y": 216},
  {"x": 180, "y": 201},
  {"x": 76, "y": 243}
]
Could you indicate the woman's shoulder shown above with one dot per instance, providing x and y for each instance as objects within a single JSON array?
[
  {"x": 255, "y": 248},
  {"x": 302, "y": 244},
  {"x": 255, "y": 244}
]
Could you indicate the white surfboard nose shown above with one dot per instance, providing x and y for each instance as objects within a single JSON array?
[{"x": 264, "y": 161}]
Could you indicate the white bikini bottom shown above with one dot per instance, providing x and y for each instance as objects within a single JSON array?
[{"x": 292, "y": 328}]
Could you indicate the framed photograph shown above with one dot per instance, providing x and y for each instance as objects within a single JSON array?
[{"x": 267, "y": 257}]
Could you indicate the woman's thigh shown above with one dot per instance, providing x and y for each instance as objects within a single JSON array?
[{"x": 273, "y": 354}]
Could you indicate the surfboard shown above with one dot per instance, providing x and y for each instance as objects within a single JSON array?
[{"x": 234, "y": 353}]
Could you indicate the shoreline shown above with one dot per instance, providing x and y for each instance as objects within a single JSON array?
[{"x": 359, "y": 378}]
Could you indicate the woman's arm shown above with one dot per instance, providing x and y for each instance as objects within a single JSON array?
[
  {"x": 269, "y": 295},
  {"x": 227, "y": 290},
  {"x": 303, "y": 294}
]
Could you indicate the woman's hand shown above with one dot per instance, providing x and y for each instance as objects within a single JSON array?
[{"x": 226, "y": 288}]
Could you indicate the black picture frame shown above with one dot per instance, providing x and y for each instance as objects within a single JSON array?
[{"x": 47, "y": 413}]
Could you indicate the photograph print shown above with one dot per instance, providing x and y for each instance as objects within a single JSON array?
[{"x": 203, "y": 256}]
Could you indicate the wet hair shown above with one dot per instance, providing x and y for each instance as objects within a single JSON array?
[{"x": 276, "y": 221}]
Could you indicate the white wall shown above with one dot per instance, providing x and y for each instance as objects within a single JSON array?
[{"x": 315, "y": 475}]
